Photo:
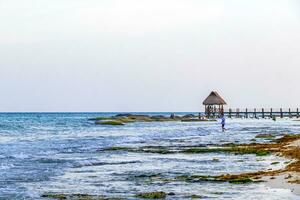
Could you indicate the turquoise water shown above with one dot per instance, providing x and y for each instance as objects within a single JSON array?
[{"x": 62, "y": 152}]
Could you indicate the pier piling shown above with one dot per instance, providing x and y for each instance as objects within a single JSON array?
[
  {"x": 261, "y": 113},
  {"x": 238, "y": 113}
]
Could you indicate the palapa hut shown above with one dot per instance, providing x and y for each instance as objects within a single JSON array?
[{"x": 214, "y": 105}]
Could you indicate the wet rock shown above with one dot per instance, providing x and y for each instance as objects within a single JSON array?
[
  {"x": 241, "y": 180},
  {"x": 110, "y": 122},
  {"x": 77, "y": 197},
  {"x": 288, "y": 176},
  {"x": 189, "y": 116},
  {"x": 99, "y": 118},
  {"x": 296, "y": 181},
  {"x": 195, "y": 196},
  {"x": 152, "y": 195},
  {"x": 171, "y": 194},
  {"x": 160, "y": 118},
  {"x": 127, "y": 117},
  {"x": 275, "y": 163},
  {"x": 124, "y": 115},
  {"x": 265, "y": 136}
]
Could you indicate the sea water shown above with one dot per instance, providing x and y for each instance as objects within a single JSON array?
[{"x": 64, "y": 153}]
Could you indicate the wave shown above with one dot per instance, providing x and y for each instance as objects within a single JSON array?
[
  {"x": 20, "y": 156},
  {"x": 97, "y": 163},
  {"x": 6, "y": 166}
]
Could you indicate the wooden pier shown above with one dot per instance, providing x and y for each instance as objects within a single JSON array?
[
  {"x": 260, "y": 113},
  {"x": 214, "y": 107}
]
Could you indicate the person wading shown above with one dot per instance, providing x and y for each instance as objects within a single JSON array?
[{"x": 223, "y": 123}]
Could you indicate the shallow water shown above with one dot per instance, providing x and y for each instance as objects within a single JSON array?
[{"x": 61, "y": 152}]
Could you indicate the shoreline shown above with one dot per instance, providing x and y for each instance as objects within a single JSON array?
[
  {"x": 280, "y": 181},
  {"x": 289, "y": 179}
]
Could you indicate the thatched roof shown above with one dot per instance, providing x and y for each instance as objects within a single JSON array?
[{"x": 214, "y": 99}]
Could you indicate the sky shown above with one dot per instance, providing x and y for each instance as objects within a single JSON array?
[{"x": 142, "y": 55}]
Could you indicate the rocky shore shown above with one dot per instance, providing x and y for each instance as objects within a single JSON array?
[
  {"x": 287, "y": 146},
  {"x": 122, "y": 119}
]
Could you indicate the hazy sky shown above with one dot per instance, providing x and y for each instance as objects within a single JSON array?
[{"x": 148, "y": 55}]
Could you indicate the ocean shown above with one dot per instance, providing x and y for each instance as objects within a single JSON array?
[{"x": 65, "y": 153}]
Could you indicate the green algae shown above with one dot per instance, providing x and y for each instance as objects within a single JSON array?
[
  {"x": 118, "y": 149},
  {"x": 195, "y": 196},
  {"x": 152, "y": 195},
  {"x": 265, "y": 136},
  {"x": 158, "y": 151},
  {"x": 235, "y": 150},
  {"x": 218, "y": 193},
  {"x": 100, "y": 118},
  {"x": 197, "y": 178},
  {"x": 111, "y": 123},
  {"x": 77, "y": 197},
  {"x": 201, "y": 150},
  {"x": 275, "y": 163},
  {"x": 128, "y": 118},
  {"x": 125, "y": 120},
  {"x": 287, "y": 138},
  {"x": 242, "y": 180},
  {"x": 239, "y": 150},
  {"x": 233, "y": 179},
  {"x": 262, "y": 153}
]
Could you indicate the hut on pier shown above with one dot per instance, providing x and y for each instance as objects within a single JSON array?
[{"x": 214, "y": 105}]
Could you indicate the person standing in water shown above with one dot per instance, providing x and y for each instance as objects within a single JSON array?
[{"x": 223, "y": 123}]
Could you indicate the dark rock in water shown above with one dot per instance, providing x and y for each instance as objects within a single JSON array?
[
  {"x": 99, "y": 118},
  {"x": 171, "y": 193},
  {"x": 77, "y": 197},
  {"x": 242, "y": 180},
  {"x": 189, "y": 116},
  {"x": 130, "y": 115},
  {"x": 110, "y": 122},
  {"x": 195, "y": 196},
  {"x": 265, "y": 136},
  {"x": 124, "y": 115},
  {"x": 128, "y": 118},
  {"x": 152, "y": 195},
  {"x": 159, "y": 118},
  {"x": 137, "y": 116}
]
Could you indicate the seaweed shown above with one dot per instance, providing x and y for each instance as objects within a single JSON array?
[
  {"x": 152, "y": 195},
  {"x": 110, "y": 122},
  {"x": 241, "y": 180},
  {"x": 265, "y": 136},
  {"x": 77, "y": 197}
]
